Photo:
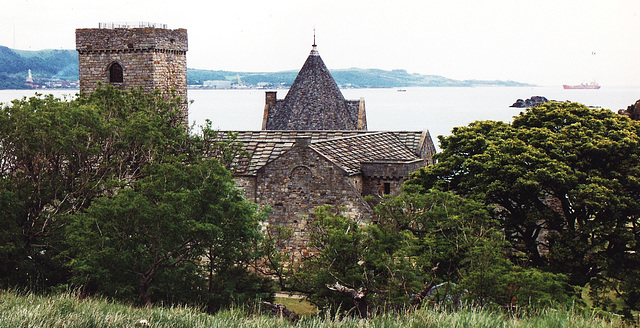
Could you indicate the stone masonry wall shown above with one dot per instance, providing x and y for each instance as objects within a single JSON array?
[
  {"x": 151, "y": 58},
  {"x": 248, "y": 185},
  {"x": 99, "y": 39},
  {"x": 391, "y": 173},
  {"x": 297, "y": 182}
]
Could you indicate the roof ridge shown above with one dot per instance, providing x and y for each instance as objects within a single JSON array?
[
  {"x": 369, "y": 133},
  {"x": 290, "y": 135}
]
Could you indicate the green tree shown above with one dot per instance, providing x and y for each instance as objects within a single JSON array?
[
  {"x": 11, "y": 245},
  {"x": 122, "y": 155},
  {"x": 337, "y": 265},
  {"x": 178, "y": 215},
  {"x": 460, "y": 245},
  {"x": 433, "y": 247},
  {"x": 56, "y": 156},
  {"x": 565, "y": 180}
]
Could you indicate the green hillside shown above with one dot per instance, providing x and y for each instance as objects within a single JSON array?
[
  {"x": 350, "y": 78},
  {"x": 55, "y": 65},
  {"x": 45, "y": 65}
]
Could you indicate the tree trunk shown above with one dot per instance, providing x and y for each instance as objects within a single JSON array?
[
  {"x": 143, "y": 286},
  {"x": 358, "y": 297}
]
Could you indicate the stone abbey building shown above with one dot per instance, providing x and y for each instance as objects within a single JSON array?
[{"x": 314, "y": 147}]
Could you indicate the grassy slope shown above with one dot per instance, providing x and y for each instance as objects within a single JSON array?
[{"x": 65, "y": 310}]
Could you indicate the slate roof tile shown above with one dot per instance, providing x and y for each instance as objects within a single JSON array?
[
  {"x": 350, "y": 152},
  {"x": 346, "y": 149}
]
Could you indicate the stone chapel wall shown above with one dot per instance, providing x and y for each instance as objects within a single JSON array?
[
  {"x": 299, "y": 181},
  {"x": 387, "y": 177}
]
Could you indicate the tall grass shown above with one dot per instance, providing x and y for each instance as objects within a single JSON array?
[{"x": 66, "y": 310}]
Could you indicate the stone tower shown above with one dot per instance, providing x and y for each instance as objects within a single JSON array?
[{"x": 146, "y": 56}]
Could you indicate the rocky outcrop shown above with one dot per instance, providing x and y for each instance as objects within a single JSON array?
[
  {"x": 531, "y": 102},
  {"x": 632, "y": 111}
]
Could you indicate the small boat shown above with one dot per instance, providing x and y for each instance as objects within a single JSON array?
[{"x": 592, "y": 85}]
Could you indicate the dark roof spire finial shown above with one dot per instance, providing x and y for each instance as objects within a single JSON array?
[{"x": 314, "y": 50}]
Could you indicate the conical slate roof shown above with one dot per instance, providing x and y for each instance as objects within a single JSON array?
[{"x": 314, "y": 102}]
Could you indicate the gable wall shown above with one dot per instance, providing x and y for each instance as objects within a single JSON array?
[
  {"x": 297, "y": 182},
  {"x": 393, "y": 174}
]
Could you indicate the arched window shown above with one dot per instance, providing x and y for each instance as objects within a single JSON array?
[
  {"x": 115, "y": 73},
  {"x": 301, "y": 179}
]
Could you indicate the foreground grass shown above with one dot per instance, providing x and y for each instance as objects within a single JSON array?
[
  {"x": 299, "y": 306},
  {"x": 65, "y": 310}
]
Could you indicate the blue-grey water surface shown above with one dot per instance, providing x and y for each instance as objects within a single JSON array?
[{"x": 437, "y": 109}]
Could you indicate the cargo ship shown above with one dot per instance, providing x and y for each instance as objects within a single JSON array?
[{"x": 592, "y": 85}]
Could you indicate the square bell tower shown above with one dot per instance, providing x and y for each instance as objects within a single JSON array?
[{"x": 141, "y": 55}]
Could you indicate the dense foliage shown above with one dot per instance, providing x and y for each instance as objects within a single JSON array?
[
  {"x": 109, "y": 192},
  {"x": 566, "y": 183},
  {"x": 422, "y": 248}
]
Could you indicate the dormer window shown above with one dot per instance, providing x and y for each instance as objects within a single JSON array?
[{"x": 116, "y": 74}]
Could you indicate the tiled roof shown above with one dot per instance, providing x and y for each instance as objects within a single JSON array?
[
  {"x": 314, "y": 102},
  {"x": 261, "y": 153},
  {"x": 344, "y": 148},
  {"x": 350, "y": 152},
  {"x": 419, "y": 142}
]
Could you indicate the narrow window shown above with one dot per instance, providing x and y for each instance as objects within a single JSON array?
[
  {"x": 115, "y": 73},
  {"x": 387, "y": 188}
]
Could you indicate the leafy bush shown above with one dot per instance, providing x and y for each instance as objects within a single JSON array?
[
  {"x": 111, "y": 193},
  {"x": 421, "y": 248}
]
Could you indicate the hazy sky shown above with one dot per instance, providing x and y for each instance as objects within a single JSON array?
[{"x": 547, "y": 42}]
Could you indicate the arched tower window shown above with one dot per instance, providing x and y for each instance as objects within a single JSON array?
[{"x": 115, "y": 73}]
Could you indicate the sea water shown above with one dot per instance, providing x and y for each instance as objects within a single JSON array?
[{"x": 437, "y": 109}]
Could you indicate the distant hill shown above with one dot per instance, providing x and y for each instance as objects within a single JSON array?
[
  {"x": 346, "y": 78},
  {"x": 62, "y": 65},
  {"x": 44, "y": 64}
]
